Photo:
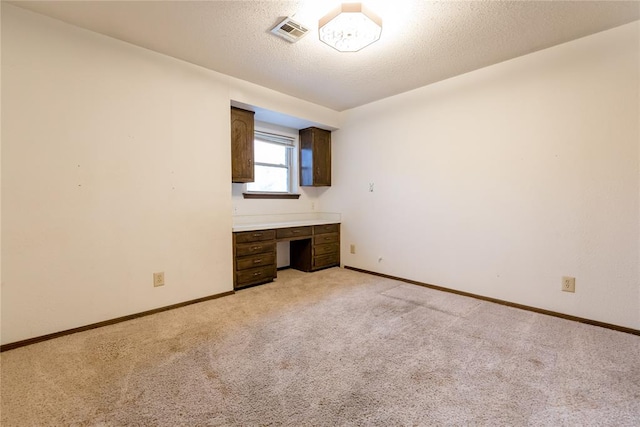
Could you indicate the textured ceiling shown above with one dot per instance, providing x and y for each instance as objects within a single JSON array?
[{"x": 422, "y": 41}]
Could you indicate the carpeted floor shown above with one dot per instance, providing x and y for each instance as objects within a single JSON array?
[{"x": 334, "y": 348}]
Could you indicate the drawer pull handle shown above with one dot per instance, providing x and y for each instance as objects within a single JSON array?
[
  {"x": 296, "y": 231},
  {"x": 257, "y": 261},
  {"x": 255, "y": 248},
  {"x": 257, "y": 273},
  {"x": 327, "y": 238},
  {"x": 257, "y": 234}
]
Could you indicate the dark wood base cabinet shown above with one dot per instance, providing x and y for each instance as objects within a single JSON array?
[
  {"x": 254, "y": 258},
  {"x": 312, "y": 248},
  {"x": 321, "y": 251}
]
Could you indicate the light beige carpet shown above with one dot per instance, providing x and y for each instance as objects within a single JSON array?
[{"x": 335, "y": 348}]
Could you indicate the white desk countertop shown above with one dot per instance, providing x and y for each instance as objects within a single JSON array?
[{"x": 268, "y": 222}]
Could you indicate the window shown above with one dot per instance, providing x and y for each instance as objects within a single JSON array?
[{"x": 273, "y": 162}]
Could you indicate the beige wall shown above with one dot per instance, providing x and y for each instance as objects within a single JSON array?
[{"x": 500, "y": 181}]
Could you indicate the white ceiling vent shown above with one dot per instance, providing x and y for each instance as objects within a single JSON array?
[{"x": 290, "y": 30}]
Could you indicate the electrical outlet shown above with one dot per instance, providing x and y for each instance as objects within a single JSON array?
[
  {"x": 568, "y": 284},
  {"x": 352, "y": 248},
  {"x": 158, "y": 279}
]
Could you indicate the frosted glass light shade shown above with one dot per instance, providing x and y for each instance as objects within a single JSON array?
[{"x": 350, "y": 28}]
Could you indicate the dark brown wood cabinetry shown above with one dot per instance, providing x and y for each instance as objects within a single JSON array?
[
  {"x": 315, "y": 157},
  {"x": 254, "y": 255},
  {"x": 321, "y": 251},
  {"x": 242, "y": 130},
  {"x": 293, "y": 232},
  {"x": 312, "y": 248},
  {"x": 326, "y": 246}
]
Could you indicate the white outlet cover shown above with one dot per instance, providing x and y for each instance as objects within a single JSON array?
[{"x": 568, "y": 284}]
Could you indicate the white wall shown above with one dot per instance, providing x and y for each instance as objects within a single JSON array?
[
  {"x": 290, "y": 109},
  {"x": 111, "y": 171},
  {"x": 0, "y": 176},
  {"x": 500, "y": 181},
  {"x": 115, "y": 165}
]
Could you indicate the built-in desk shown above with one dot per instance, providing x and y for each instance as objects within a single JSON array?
[{"x": 314, "y": 245}]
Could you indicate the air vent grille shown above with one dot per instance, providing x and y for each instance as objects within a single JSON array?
[{"x": 290, "y": 30}]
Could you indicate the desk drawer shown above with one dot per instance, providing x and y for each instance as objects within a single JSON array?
[
  {"x": 329, "y": 248},
  {"x": 326, "y": 238},
  {"x": 326, "y": 260},
  {"x": 259, "y": 260},
  {"x": 254, "y": 276},
  {"x": 255, "y": 236},
  {"x": 255, "y": 248},
  {"x": 327, "y": 228},
  {"x": 293, "y": 232}
]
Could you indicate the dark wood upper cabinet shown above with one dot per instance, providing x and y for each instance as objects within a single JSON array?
[
  {"x": 242, "y": 130},
  {"x": 315, "y": 157}
]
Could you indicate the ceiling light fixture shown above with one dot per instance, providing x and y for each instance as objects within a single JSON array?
[{"x": 350, "y": 27}]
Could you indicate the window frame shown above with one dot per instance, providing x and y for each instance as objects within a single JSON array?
[{"x": 290, "y": 142}]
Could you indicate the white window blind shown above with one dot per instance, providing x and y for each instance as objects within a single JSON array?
[{"x": 273, "y": 138}]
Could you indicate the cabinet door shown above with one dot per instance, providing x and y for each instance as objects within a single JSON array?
[
  {"x": 315, "y": 157},
  {"x": 241, "y": 145},
  {"x": 322, "y": 156}
]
